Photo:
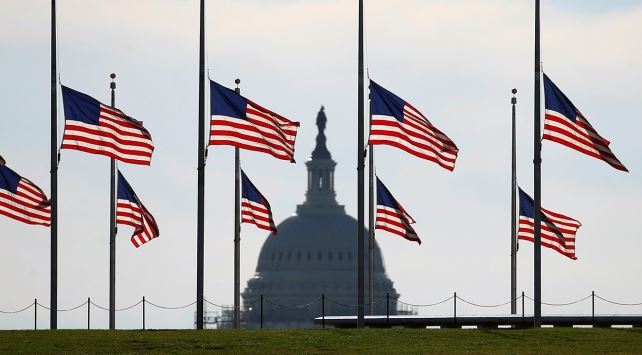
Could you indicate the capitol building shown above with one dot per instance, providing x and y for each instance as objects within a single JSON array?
[{"x": 314, "y": 253}]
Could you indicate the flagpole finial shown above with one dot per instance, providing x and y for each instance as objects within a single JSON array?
[
  {"x": 112, "y": 85},
  {"x": 237, "y": 82},
  {"x": 514, "y": 99}
]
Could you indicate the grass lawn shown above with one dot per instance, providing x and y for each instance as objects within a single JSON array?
[{"x": 527, "y": 341}]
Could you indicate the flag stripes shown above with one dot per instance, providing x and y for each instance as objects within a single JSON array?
[
  {"x": 130, "y": 211},
  {"x": 131, "y": 214},
  {"x": 564, "y": 124},
  {"x": 397, "y": 123},
  {"x": 22, "y": 200},
  {"x": 392, "y": 217},
  {"x": 257, "y": 214},
  {"x": 557, "y": 230},
  {"x": 95, "y": 128},
  {"x": 241, "y": 123},
  {"x": 255, "y": 209}
]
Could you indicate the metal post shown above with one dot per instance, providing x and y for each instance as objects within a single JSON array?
[
  {"x": 593, "y": 308},
  {"x": 323, "y": 310},
  {"x": 261, "y": 311},
  {"x": 387, "y": 308},
  {"x": 513, "y": 215},
  {"x": 88, "y": 313},
  {"x": 537, "y": 162},
  {"x": 53, "y": 311},
  {"x": 35, "y": 313},
  {"x": 455, "y": 307},
  {"x": 237, "y": 230},
  {"x": 112, "y": 225},
  {"x": 371, "y": 233},
  {"x": 200, "y": 225},
  {"x": 522, "y": 305},
  {"x": 143, "y": 312},
  {"x": 360, "y": 178}
]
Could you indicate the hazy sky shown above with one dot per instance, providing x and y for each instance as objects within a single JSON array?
[{"x": 455, "y": 60}]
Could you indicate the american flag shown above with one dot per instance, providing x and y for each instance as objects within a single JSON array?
[
  {"x": 21, "y": 200},
  {"x": 558, "y": 230},
  {"x": 397, "y": 123},
  {"x": 255, "y": 209},
  {"x": 130, "y": 211},
  {"x": 391, "y": 217},
  {"x": 566, "y": 125},
  {"x": 241, "y": 123},
  {"x": 99, "y": 129}
]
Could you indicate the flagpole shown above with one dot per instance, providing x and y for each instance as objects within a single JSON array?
[
  {"x": 53, "y": 312},
  {"x": 112, "y": 224},
  {"x": 237, "y": 229},
  {"x": 513, "y": 216},
  {"x": 371, "y": 230},
  {"x": 200, "y": 228},
  {"x": 537, "y": 162},
  {"x": 360, "y": 178}
]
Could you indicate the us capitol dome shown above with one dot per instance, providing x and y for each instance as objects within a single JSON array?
[{"x": 314, "y": 253}]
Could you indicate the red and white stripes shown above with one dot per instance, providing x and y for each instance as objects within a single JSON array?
[
  {"x": 580, "y": 136},
  {"x": 116, "y": 135},
  {"x": 137, "y": 216},
  {"x": 263, "y": 131},
  {"x": 415, "y": 135},
  {"x": 558, "y": 232},
  {"x": 257, "y": 214},
  {"x": 396, "y": 222},
  {"x": 28, "y": 205}
]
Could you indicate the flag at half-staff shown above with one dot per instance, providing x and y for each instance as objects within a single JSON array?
[
  {"x": 558, "y": 230},
  {"x": 397, "y": 123},
  {"x": 241, "y": 123},
  {"x": 255, "y": 208},
  {"x": 391, "y": 217},
  {"x": 565, "y": 124},
  {"x": 130, "y": 211},
  {"x": 95, "y": 128},
  {"x": 21, "y": 199}
]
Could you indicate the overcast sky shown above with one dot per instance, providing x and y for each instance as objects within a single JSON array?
[{"x": 455, "y": 60}]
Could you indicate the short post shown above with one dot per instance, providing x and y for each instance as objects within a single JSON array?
[
  {"x": 522, "y": 305},
  {"x": 88, "y": 313},
  {"x": 388, "y": 308},
  {"x": 593, "y": 308},
  {"x": 323, "y": 310},
  {"x": 35, "y": 313},
  {"x": 261, "y": 311},
  {"x": 143, "y": 312},
  {"x": 455, "y": 307}
]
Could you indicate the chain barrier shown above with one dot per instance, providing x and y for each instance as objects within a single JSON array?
[
  {"x": 354, "y": 305},
  {"x": 230, "y": 307},
  {"x": 267, "y": 300},
  {"x": 116, "y": 310},
  {"x": 488, "y": 306},
  {"x": 561, "y": 304},
  {"x": 63, "y": 310},
  {"x": 170, "y": 308},
  {"x": 423, "y": 305},
  {"x": 21, "y": 310},
  {"x": 618, "y": 303},
  {"x": 300, "y": 306}
]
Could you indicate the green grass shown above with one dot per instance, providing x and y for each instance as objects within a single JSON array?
[{"x": 348, "y": 341}]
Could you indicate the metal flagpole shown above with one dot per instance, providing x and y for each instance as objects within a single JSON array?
[
  {"x": 53, "y": 312},
  {"x": 371, "y": 230},
  {"x": 513, "y": 212},
  {"x": 112, "y": 225},
  {"x": 360, "y": 179},
  {"x": 200, "y": 228},
  {"x": 237, "y": 230},
  {"x": 537, "y": 162}
]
